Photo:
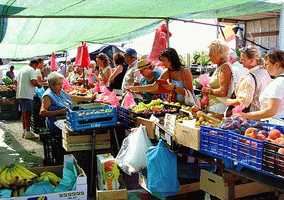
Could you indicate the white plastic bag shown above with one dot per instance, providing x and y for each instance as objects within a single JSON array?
[{"x": 132, "y": 156}]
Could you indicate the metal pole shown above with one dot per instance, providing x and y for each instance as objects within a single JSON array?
[
  {"x": 168, "y": 33},
  {"x": 281, "y": 30}
]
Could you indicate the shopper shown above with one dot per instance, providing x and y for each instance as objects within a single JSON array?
[
  {"x": 253, "y": 83},
  {"x": 39, "y": 71},
  {"x": 131, "y": 77},
  {"x": 117, "y": 75},
  {"x": 55, "y": 102},
  {"x": 237, "y": 68},
  {"x": 104, "y": 69},
  {"x": 26, "y": 81},
  {"x": 272, "y": 98},
  {"x": 221, "y": 85},
  {"x": 178, "y": 77},
  {"x": 149, "y": 77}
]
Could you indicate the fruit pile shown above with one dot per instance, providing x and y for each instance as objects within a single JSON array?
[{"x": 19, "y": 179}]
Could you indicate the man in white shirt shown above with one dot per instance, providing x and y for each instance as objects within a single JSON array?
[
  {"x": 26, "y": 81},
  {"x": 238, "y": 69}
]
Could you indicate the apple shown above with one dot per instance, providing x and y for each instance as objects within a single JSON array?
[
  {"x": 274, "y": 134},
  {"x": 251, "y": 132},
  {"x": 260, "y": 136},
  {"x": 281, "y": 150}
]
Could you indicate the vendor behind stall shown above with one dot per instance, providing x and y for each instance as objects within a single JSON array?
[
  {"x": 54, "y": 104},
  {"x": 179, "y": 78},
  {"x": 149, "y": 77}
]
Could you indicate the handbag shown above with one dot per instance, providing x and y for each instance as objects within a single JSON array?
[{"x": 229, "y": 110}]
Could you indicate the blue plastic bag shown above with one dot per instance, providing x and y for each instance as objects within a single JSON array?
[
  {"x": 39, "y": 92},
  {"x": 162, "y": 171}
]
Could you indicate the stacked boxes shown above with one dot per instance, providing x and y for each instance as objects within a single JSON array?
[
  {"x": 108, "y": 172},
  {"x": 83, "y": 140}
]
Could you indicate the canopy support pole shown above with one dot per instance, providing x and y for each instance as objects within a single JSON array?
[
  {"x": 168, "y": 33},
  {"x": 281, "y": 30}
]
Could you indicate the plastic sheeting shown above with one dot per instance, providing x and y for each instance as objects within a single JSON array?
[{"x": 36, "y": 28}]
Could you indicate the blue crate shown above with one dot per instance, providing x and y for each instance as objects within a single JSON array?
[
  {"x": 91, "y": 120},
  {"x": 213, "y": 141},
  {"x": 247, "y": 152}
]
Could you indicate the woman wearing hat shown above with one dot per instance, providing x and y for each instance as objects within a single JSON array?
[
  {"x": 149, "y": 77},
  {"x": 178, "y": 78}
]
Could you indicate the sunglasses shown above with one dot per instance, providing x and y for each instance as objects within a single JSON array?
[{"x": 246, "y": 49}]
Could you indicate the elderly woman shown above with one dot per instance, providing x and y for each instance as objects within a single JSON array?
[
  {"x": 272, "y": 98},
  {"x": 104, "y": 69},
  {"x": 179, "y": 78},
  {"x": 54, "y": 103},
  {"x": 221, "y": 84},
  {"x": 253, "y": 83}
]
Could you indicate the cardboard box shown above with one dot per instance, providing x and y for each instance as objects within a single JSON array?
[
  {"x": 150, "y": 126},
  {"x": 74, "y": 142},
  {"x": 218, "y": 187},
  {"x": 108, "y": 172},
  {"x": 79, "y": 194},
  {"x": 188, "y": 136},
  {"x": 85, "y": 146},
  {"x": 119, "y": 194}
]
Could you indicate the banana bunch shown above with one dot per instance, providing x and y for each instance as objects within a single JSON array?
[
  {"x": 19, "y": 192},
  {"x": 15, "y": 175},
  {"x": 49, "y": 176}
]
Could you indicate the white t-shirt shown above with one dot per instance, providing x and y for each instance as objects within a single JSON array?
[
  {"x": 274, "y": 90},
  {"x": 25, "y": 89},
  {"x": 38, "y": 73},
  {"x": 238, "y": 71}
]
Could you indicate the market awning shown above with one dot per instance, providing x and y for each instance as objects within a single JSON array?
[{"x": 40, "y": 27}]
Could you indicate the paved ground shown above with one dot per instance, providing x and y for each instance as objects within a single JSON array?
[{"x": 15, "y": 149}]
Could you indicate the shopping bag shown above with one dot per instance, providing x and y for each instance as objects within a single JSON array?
[
  {"x": 191, "y": 99},
  {"x": 53, "y": 64},
  {"x": 128, "y": 101},
  {"x": 89, "y": 72},
  {"x": 159, "y": 44},
  {"x": 83, "y": 56},
  {"x": 162, "y": 171},
  {"x": 204, "y": 80},
  {"x": 132, "y": 155},
  {"x": 112, "y": 99},
  {"x": 97, "y": 87},
  {"x": 39, "y": 91},
  {"x": 66, "y": 84}
]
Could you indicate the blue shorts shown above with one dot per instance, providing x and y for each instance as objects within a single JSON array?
[{"x": 26, "y": 105}]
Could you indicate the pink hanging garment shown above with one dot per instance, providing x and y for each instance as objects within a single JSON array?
[{"x": 53, "y": 64}]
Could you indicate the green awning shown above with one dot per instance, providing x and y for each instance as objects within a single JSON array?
[{"x": 40, "y": 27}]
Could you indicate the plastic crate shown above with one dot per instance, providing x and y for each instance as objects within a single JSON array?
[
  {"x": 8, "y": 93},
  {"x": 128, "y": 122},
  {"x": 126, "y": 115},
  {"x": 52, "y": 147},
  {"x": 86, "y": 119},
  {"x": 247, "y": 152},
  {"x": 214, "y": 141},
  {"x": 273, "y": 162},
  {"x": 8, "y": 104},
  {"x": 192, "y": 170}
]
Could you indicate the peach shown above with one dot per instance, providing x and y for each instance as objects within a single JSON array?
[
  {"x": 274, "y": 134},
  {"x": 281, "y": 150},
  {"x": 251, "y": 132},
  {"x": 281, "y": 142},
  {"x": 278, "y": 140},
  {"x": 260, "y": 136}
]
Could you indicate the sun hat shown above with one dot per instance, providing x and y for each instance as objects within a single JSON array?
[
  {"x": 131, "y": 52},
  {"x": 142, "y": 64}
]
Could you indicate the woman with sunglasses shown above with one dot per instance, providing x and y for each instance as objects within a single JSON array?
[
  {"x": 253, "y": 83},
  {"x": 272, "y": 98}
]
